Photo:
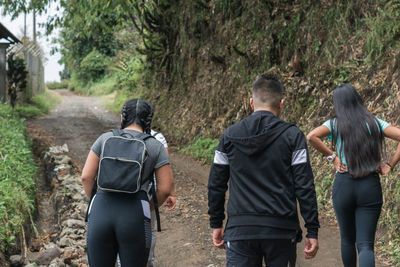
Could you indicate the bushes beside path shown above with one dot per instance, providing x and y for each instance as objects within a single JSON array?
[
  {"x": 18, "y": 171},
  {"x": 17, "y": 177}
]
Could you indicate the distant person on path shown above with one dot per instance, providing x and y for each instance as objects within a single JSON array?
[
  {"x": 358, "y": 155},
  {"x": 265, "y": 161},
  {"x": 119, "y": 223},
  {"x": 170, "y": 202}
]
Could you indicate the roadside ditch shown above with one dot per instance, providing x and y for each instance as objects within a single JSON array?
[{"x": 57, "y": 238}]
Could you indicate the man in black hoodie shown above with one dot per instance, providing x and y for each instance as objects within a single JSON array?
[{"x": 266, "y": 162}]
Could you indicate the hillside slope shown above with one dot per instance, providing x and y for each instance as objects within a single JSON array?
[{"x": 219, "y": 47}]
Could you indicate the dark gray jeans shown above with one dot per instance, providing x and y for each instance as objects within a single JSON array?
[{"x": 250, "y": 253}]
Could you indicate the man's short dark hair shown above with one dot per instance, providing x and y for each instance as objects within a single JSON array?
[{"x": 268, "y": 89}]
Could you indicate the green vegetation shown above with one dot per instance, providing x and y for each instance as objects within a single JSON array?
[
  {"x": 87, "y": 38},
  {"x": 57, "y": 85},
  {"x": 38, "y": 105},
  {"x": 103, "y": 86},
  {"x": 93, "y": 66},
  {"x": 17, "y": 177},
  {"x": 202, "y": 149},
  {"x": 17, "y": 167},
  {"x": 16, "y": 77},
  {"x": 393, "y": 251},
  {"x": 384, "y": 33}
]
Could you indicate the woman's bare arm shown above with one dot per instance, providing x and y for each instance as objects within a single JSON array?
[
  {"x": 165, "y": 183},
  {"x": 396, "y": 157},
  {"x": 314, "y": 138},
  {"x": 392, "y": 132},
  {"x": 89, "y": 172}
]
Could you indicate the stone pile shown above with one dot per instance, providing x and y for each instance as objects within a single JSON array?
[{"x": 67, "y": 248}]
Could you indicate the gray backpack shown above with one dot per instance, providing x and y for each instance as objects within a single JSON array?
[
  {"x": 121, "y": 163},
  {"x": 121, "y": 167}
]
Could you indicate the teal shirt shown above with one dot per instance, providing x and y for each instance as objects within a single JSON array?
[{"x": 339, "y": 143}]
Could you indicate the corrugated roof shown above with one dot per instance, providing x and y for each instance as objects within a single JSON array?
[{"x": 6, "y": 34}]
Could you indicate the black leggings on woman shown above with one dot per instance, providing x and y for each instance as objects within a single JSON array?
[
  {"x": 119, "y": 223},
  {"x": 357, "y": 203}
]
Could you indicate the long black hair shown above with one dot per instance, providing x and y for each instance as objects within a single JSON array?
[
  {"x": 137, "y": 111},
  {"x": 359, "y": 130}
]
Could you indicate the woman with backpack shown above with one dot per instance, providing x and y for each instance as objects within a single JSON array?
[
  {"x": 119, "y": 212},
  {"x": 358, "y": 155}
]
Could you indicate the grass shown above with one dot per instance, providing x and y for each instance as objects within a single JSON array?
[
  {"x": 394, "y": 251},
  {"x": 383, "y": 32},
  {"x": 39, "y": 105},
  {"x": 202, "y": 149},
  {"x": 17, "y": 177},
  {"x": 17, "y": 166},
  {"x": 57, "y": 85},
  {"x": 104, "y": 86}
]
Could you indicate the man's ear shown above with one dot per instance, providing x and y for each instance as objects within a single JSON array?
[
  {"x": 281, "y": 104},
  {"x": 252, "y": 103},
  {"x": 120, "y": 116}
]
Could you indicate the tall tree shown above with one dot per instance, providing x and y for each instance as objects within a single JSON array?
[
  {"x": 16, "y": 7},
  {"x": 87, "y": 26}
]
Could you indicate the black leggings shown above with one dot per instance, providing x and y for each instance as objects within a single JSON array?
[
  {"x": 119, "y": 223},
  {"x": 357, "y": 203}
]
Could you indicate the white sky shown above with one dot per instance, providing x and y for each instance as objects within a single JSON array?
[{"x": 16, "y": 27}]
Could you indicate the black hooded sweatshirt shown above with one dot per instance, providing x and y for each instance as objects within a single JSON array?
[{"x": 266, "y": 162}]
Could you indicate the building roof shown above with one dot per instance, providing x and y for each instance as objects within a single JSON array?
[{"x": 6, "y": 34}]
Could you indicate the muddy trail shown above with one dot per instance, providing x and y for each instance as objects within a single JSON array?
[{"x": 186, "y": 236}]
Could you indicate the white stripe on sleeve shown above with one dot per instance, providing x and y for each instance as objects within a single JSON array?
[
  {"x": 220, "y": 158},
  {"x": 299, "y": 157}
]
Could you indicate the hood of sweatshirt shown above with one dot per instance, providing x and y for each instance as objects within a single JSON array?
[{"x": 257, "y": 132}]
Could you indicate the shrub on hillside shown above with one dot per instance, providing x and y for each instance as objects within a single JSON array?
[
  {"x": 128, "y": 79},
  {"x": 202, "y": 149},
  {"x": 93, "y": 66},
  {"x": 57, "y": 85}
]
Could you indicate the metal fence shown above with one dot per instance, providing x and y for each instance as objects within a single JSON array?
[{"x": 33, "y": 56}]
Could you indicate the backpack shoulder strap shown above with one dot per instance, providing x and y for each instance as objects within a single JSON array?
[
  {"x": 144, "y": 136},
  {"x": 117, "y": 132}
]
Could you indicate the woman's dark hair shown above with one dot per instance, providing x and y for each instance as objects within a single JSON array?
[
  {"x": 359, "y": 130},
  {"x": 137, "y": 111}
]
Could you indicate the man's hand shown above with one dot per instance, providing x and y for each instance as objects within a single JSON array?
[
  {"x": 311, "y": 248},
  {"x": 339, "y": 166},
  {"x": 218, "y": 234},
  {"x": 170, "y": 202}
]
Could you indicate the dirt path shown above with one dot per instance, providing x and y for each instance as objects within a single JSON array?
[{"x": 186, "y": 237}]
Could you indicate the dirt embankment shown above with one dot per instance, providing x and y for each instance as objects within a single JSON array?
[{"x": 186, "y": 236}]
